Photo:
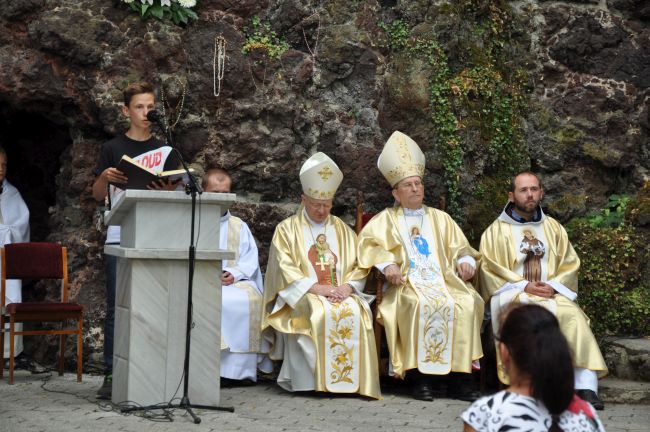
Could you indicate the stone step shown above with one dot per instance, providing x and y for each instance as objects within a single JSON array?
[
  {"x": 615, "y": 390},
  {"x": 628, "y": 358}
]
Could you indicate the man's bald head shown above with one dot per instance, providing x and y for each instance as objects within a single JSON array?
[{"x": 217, "y": 180}]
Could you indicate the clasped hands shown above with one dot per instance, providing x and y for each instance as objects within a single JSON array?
[
  {"x": 335, "y": 294},
  {"x": 540, "y": 289},
  {"x": 394, "y": 274}
]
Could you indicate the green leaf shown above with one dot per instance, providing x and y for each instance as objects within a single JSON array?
[
  {"x": 175, "y": 17},
  {"x": 191, "y": 14},
  {"x": 157, "y": 11}
]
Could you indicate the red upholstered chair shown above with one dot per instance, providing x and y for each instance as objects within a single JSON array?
[{"x": 38, "y": 261}]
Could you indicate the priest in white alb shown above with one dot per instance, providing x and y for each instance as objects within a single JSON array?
[
  {"x": 527, "y": 258},
  {"x": 430, "y": 311},
  {"x": 243, "y": 351},
  {"x": 315, "y": 310},
  {"x": 14, "y": 228}
]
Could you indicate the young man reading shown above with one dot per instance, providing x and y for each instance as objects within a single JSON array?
[{"x": 139, "y": 144}]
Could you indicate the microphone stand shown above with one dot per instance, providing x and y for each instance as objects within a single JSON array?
[{"x": 192, "y": 189}]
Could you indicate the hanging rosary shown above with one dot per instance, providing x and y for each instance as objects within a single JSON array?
[
  {"x": 218, "y": 63},
  {"x": 179, "y": 106}
]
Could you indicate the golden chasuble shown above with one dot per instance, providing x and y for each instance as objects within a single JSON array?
[
  {"x": 346, "y": 359},
  {"x": 401, "y": 312},
  {"x": 508, "y": 249}
]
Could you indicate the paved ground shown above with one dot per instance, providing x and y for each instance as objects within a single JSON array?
[{"x": 40, "y": 402}]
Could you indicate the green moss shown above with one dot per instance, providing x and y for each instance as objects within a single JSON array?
[
  {"x": 489, "y": 198},
  {"x": 407, "y": 84},
  {"x": 540, "y": 116},
  {"x": 261, "y": 37},
  {"x": 568, "y": 203},
  {"x": 602, "y": 153},
  {"x": 567, "y": 136},
  {"x": 638, "y": 209}
]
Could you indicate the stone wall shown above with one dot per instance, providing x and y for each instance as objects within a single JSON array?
[{"x": 338, "y": 89}]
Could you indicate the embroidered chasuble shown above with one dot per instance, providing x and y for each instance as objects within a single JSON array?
[
  {"x": 13, "y": 229},
  {"x": 432, "y": 321},
  {"x": 516, "y": 253},
  {"x": 325, "y": 346}
]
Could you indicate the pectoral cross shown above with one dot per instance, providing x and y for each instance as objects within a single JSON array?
[{"x": 322, "y": 263}]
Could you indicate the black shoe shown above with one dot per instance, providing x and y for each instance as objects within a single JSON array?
[
  {"x": 229, "y": 382},
  {"x": 422, "y": 391},
  {"x": 591, "y": 397},
  {"x": 106, "y": 390},
  {"x": 462, "y": 387}
]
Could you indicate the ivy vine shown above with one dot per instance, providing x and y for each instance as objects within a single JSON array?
[{"x": 483, "y": 92}]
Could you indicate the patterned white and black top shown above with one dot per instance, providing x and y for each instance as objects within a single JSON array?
[{"x": 510, "y": 412}]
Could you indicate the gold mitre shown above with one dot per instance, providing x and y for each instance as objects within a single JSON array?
[
  {"x": 400, "y": 158},
  {"x": 320, "y": 177}
]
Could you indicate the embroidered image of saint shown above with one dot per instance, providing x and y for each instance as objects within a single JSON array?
[
  {"x": 324, "y": 261},
  {"x": 534, "y": 250}
]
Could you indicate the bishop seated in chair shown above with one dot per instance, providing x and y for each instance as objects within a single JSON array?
[
  {"x": 430, "y": 311},
  {"x": 316, "y": 313}
]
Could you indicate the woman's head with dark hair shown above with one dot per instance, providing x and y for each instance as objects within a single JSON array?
[{"x": 531, "y": 335}]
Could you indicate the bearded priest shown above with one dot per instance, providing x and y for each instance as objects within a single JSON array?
[
  {"x": 316, "y": 314},
  {"x": 431, "y": 312},
  {"x": 528, "y": 259}
]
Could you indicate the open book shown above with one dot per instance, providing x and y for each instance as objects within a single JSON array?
[{"x": 140, "y": 177}]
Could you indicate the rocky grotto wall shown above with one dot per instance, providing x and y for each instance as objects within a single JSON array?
[{"x": 485, "y": 87}]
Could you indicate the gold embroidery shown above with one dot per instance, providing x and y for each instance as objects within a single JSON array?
[
  {"x": 325, "y": 173},
  {"x": 402, "y": 171},
  {"x": 319, "y": 194},
  {"x": 436, "y": 338},
  {"x": 404, "y": 154},
  {"x": 340, "y": 334}
]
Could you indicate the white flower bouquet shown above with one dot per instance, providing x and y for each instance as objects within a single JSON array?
[{"x": 179, "y": 11}]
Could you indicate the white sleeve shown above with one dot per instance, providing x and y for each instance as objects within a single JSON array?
[
  {"x": 292, "y": 294},
  {"x": 248, "y": 262},
  {"x": 467, "y": 259},
  {"x": 519, "y": 286},
  {"x": 566, "y": 292},
  {"x": 382, "y": 266}
]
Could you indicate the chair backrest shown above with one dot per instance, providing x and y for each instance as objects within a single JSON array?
[
  {"x": 35, "y": 261},
  {"x": 362, "y": 218}
]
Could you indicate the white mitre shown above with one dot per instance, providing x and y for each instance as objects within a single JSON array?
[
  {"x": 400, "y": 158},
  {"x": 320, "y": 177}
]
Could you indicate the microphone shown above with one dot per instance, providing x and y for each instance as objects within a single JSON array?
[{"x": 154, "y": 117}]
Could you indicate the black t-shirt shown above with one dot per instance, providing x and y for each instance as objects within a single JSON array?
[{"x": 113, "y": 150}]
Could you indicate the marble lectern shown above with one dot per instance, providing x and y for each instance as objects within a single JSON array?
[{"x": 151, "y": 298}]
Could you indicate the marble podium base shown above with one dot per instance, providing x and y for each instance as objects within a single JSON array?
[{"x": 150, "y": 325}]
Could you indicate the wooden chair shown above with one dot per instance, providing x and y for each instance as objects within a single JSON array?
[
  {"x": 38, "y": 261},
  {"x": 374, "y": 285}
]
